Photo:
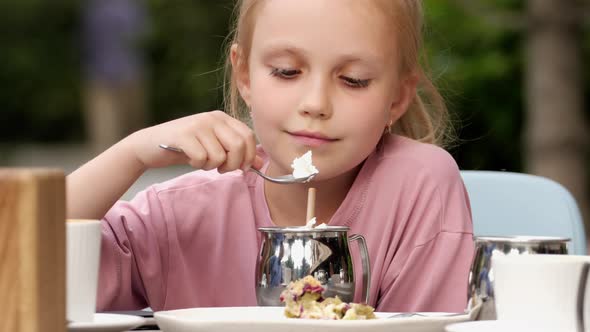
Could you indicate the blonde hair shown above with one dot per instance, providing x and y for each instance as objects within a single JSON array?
[{"x": 427, "y": 118}]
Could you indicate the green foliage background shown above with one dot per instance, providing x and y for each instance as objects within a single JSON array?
[
  {"x": 477, "y": 66},
  {"x": 39, "y": 71}
]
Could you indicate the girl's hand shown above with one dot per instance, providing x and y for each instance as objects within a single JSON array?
[{"x": 209, "y": 140}]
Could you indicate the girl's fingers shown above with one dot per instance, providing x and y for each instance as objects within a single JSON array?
[
  {"x": 215, "y": 140},
  {"x": 195, "y": 153},
  {"x": 216, "y": 154},
  {"x": 249, "y": 140},
  {"x": 258, "y": 162},
  {"x": 234, "y": 145}
]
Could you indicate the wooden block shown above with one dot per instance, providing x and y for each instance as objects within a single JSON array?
[{"x": 32, "y": 250}]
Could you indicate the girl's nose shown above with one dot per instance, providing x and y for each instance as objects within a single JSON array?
[{"x": 316, "y": 101}]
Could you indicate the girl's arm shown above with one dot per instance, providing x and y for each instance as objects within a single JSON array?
[
  {"x": 211, "y": 140},
  {"x": 93, "y": 188}
]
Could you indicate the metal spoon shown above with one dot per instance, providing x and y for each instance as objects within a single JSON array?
[{"x": 284, "y": 179}]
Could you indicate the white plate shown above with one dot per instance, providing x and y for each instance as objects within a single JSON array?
[
  {"x": 503, "y": 326},
  {"x": 107, "y": 323},
  {"x": 272, "y": 319}
]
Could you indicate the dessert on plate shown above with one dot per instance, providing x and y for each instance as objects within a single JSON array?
[{"x": 303, "y": 299}]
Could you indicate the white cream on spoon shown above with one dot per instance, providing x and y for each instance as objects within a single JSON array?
[{"x": 303, "y": 166}]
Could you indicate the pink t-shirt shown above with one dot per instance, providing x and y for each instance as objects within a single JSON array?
[{"x": 193, "y": 241}]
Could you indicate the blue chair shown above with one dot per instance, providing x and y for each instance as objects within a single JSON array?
[{"x": 505, "y": 203}]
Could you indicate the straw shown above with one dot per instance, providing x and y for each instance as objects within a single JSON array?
[{"x": 310, "y": 204}]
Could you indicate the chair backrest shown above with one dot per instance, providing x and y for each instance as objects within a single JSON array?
[{"x": 505, "y": 203}]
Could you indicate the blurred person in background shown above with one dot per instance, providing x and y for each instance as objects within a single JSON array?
[{"x": 114, "y": 98}]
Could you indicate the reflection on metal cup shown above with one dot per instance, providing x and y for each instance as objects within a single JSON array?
[
  {"x": 288, "y": 254},
  {"x": 481, "y": 275}
]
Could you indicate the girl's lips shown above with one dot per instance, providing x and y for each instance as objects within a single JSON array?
[{"x": 311, "y": 139}]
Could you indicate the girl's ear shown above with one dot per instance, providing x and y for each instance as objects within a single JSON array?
[
  {"x": 406, "y": 94},
  {"x": 240, "y": 72}
]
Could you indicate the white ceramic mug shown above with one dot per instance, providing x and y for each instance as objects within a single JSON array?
[
  {"x": 551, "y": 289},
  {"x": 82, "y": 261}
]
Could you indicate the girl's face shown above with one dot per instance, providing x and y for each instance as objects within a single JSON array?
[{"x": 323, "y": 76}]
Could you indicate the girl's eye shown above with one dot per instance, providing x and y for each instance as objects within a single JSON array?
[
  {"x": 285, "y": 73},
  {"x": 355, "y": 82}
]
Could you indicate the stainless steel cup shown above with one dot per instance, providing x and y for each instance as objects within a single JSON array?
[
  {"x": 288, "y": 254},
  {"x": 481, "y": 275}
]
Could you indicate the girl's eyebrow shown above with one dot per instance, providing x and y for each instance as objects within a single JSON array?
[
  {"x": 279, "y": 49},
  {"x": 367, "y": 58}
]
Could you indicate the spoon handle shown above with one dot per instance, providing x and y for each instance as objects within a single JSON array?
[
  {"x": 285, "y": 179},
  {"x": 174, "y": 149},
  {"x": 170, "y": 148},
  {"x": 262, "y": 175}
]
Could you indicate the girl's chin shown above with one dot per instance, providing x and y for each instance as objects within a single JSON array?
[{"x": 331, "y": 174}]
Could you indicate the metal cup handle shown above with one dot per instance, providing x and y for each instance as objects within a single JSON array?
[{"x": 366, "y": 265}]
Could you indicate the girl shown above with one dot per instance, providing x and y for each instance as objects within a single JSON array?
[{"x": 338, "y": 77}]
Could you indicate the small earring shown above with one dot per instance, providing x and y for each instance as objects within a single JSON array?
[{"x": 388, "y": 128}]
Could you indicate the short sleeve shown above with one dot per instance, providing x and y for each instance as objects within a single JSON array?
[{"x": 133, "y": 254}]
